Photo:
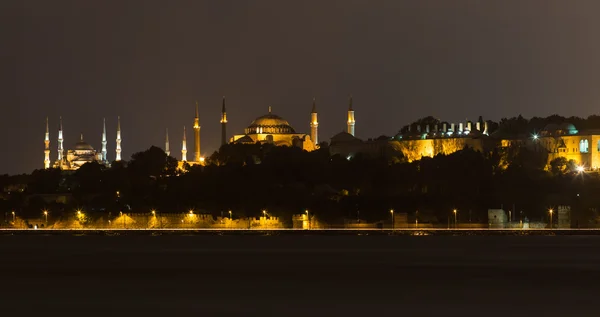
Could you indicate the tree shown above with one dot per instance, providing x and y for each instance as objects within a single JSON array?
[{"x": 558, "y": 165}]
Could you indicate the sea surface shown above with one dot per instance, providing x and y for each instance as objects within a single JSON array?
[{"x": 299, "y": 275}]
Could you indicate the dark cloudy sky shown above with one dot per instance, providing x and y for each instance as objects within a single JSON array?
[{"x": 148, "y": 61}]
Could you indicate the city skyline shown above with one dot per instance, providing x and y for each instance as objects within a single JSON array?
[{"x": 400, "y": 60}]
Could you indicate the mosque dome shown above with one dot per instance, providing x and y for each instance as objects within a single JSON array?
[
  {"x": 568, "y": 128},
  {"x": 269, "y": 123},
  {"x": 559, "y": 129},
  {"x": 83, "y": 146}
]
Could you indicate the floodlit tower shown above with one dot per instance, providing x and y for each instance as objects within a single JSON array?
[
  {"x": 223, "y": 124},
  {"x": 118, "y": 150},
  {"x": 60, "y": 142},
  {"x": 351, "y": 121},
  {"x": 196, "y": 136},
  {"x": 167, "y": 142},
  {"x": 47, "y": 147},
  {"x": 104, "y": 152},
  {"x": 314, "y": 124},
  {"x": 183, "y": 147}
]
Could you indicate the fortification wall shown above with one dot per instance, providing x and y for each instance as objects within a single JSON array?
[
  {"x": 416, "y": 149},
  {"x": 176, "y": 221}
]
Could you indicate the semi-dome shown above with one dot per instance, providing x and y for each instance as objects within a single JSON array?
[{"x": 269, "y": 123}]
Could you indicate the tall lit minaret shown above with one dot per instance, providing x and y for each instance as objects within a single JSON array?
[
  {"x": 47, "y": 147},
  {"x": 118, "y": 150},
  {"x": 167, "y": 142},
  {"x": 223, "y": 124},
  {"x": 104, "y": 155},
  {"x": 60, "y": 142},
  {"x": 351, "y": 121},
  {"x": 314, "y": 124},
  {"x": 196, "y": 136},
  {"x": 183, "y": 147}
]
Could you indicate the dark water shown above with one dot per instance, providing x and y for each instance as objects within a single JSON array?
[{"x": 300, "y": 275}]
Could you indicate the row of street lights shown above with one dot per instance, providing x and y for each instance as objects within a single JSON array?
[{"x": 191, "y": 214}]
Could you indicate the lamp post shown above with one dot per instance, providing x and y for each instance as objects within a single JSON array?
[
  {"x": 307, "y": 219},
  {"x": 550, "y": 212},
  {"x": 416, "y": 219},
  {"x": 13, "y": 214},
  {"x": 230, "y": 220},
  {"x": 393, "y": 223},
  {"x": 46, "y": 215},
  {"x": 455, "y": 224}
]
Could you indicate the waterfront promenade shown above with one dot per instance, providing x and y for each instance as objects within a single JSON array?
[{"x": 302, "y": 232}]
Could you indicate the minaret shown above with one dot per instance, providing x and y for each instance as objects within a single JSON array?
[
  {"x": 351, "y": 121},
  {"x": 223, "y": 124},
  {"x": 118, "y": 150},
  {"x": 104, "y": 155},
  {"x": 314, "y": 124},
  {"x": 47, "y": 147},
  {"x": 60, "y": 142},
  {"x": 196, "y": 136},
  {"x": 183, "y": 147},
  {"x": 167, "y": 142}
]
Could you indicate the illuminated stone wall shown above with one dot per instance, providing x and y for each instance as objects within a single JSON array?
[
  {"x": 175, "y": 221},
  {"x": 416, "y": 149}
]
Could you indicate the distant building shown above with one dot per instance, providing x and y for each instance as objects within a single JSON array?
[
  {"x": 418, "y": 141},
  {"x": 81, "y": 153},
  {"x": 273, "y": 129}
]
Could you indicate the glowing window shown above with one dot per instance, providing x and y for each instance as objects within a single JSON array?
[{"x": 583, "y": 146}]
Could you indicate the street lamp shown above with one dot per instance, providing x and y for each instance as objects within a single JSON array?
[
  {"x": 455, "y": 225},
  {"x": 416, "y": 219},
  {"x": 307, "y": 219},
  {"x": 46, "y": 215},
  {"x": 550, "y": 212},
  {"x": 13, "y": 214},
  {"x": 230, "y": 220}
]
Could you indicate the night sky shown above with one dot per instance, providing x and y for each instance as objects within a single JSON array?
[{"x": 149, "y": 61}]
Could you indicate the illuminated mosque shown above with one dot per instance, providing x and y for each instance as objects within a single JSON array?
[
  {"x": 269, "y": 128},
  {"x": 81, "y": 153},
  {"x": 412, "y": 143}
]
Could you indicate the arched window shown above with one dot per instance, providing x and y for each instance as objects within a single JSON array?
[{"x": 583, "y": 146}]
